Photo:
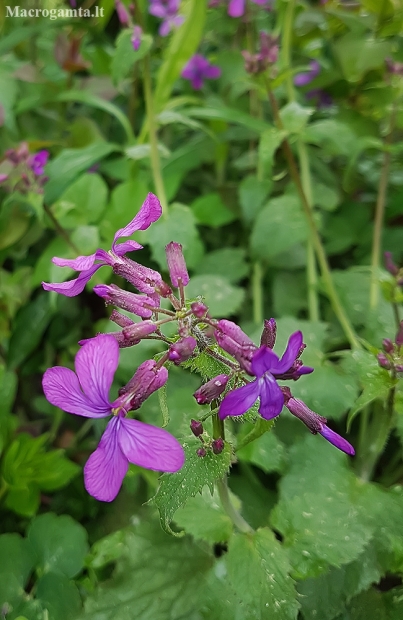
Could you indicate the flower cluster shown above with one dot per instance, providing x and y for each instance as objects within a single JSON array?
[
  {"x": 391, "y": 357},
  {"x": 267, "y": 55},
  {"x": 23, "y": 171},
  {"x": 199, "y": 69},
  {"x": 252, "y": 372}
]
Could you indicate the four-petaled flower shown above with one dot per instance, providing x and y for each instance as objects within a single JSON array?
[
  {"x": 88, "y": 265},
  {"x": 86, "y": 393},
  {"x": 198, "y": 69},
  {"x": 167, "y": 10}
]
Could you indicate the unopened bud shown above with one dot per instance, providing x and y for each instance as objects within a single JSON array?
[
  {"x": 199, "y": 309},
  {"x": 196, "y": 427},
  {"x": 137, "y": 331},
  {"x": 268, "y": 337},
  {"x": 131, "y": 302},
  {"x": 211, "y": 390},
  {"x": 201, "y": 452},
  {"x": 182, "y": 350},
  {"x": 387, "y": 345},
  {"x": 147, "y": 379},
  {"x": 399, "y": 335},
  {"x": 122, "y": 13},
  {"x": 383, "y": 361},
  {"x": 217, "y": 445},
  {"x": 234, "y": 341},
  {"x": 176, "y": 264}
]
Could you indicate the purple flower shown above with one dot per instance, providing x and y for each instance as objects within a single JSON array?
[
  {"x": 198, "y": 69},
  {"x": 87, "y": 265},
  {"x": 38, "y": 162},
  {"x": 86, "y": 393},
  {"x": 316, "y": 423},
  {"x": 167, "y": 10},
  {"x": 320, "y": 97},
  {"x": 267, "y": 55},
  {"x": 266, "y": 366},
  {"x": 122, "y": 13},
  {"x": 302, "y": 79},
  {"x": 236, "y": 8},
  {"x": 136, "y": 38},
  {"x": 176, "y": 264}
]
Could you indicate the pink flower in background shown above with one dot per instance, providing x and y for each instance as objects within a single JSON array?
[
  {"x": 198, "y": 69},
  {"x": 236, "y": 8},
  {"x": 302, "y": 79},
  {"x": 167, "y": 10},
  {"x": 136, "y": 37}
]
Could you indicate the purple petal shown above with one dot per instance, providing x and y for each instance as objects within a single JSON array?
[
  {"x": 271, "y": 397},
  {"x": 337, "y": 441},
  {"x": 165, "y": 28},
  {"x": 72, "y": 287},
  {"x": 290, "y": 354},
  {"x": 236, "y": 8},
  {"x": 263, "y": 360},
  {"x": 240, "y": 400},
  {"x": 62, "y": 389},
  {"x": 177, "y": 21},
  {"x": 197, "y": 82},
  {"x": 150, "y": 212},
  {"x": 107, "y": 466},
  {"x": 158, "y": 10},
  {"x": 81, "y": 263},
  {"x": 96, "y": 364},
  {"x": 149, "y": 446},
  {"x": 127, "y": 246},
  {"x": 212, "y": 72}
]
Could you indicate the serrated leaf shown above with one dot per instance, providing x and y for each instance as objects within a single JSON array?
[
  {"x": 206, "y": 366},
  {"x": 204, "y": 518},
  {"x": 222, "y": 298},
  {"x": 197, "y": 472},
  {"x": 258, "y": 570}
]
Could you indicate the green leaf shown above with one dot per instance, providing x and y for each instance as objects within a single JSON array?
[
  {"x": 230, "y": 115},
  {"x": 266, "y": 452},
  {"x": 8, "y": 390},
  {"x": 211, "y": 211},
  {"x": 162, "y": 397},
  {"x": 107, "y": 550},
  {"x": 295, "y": 117},
  {"x": 228, "y": 263},
  {"x": 197, "y": 472},
  {"x": 281, "y": 221},
  {"x": 204, "y": 518},
  {"x": 335, "y": 137},
  {"x": 178, "y": 225},
  {"x": 182, "y": 46},
  {"x": 252, "y": 195},
  {"x": 29, "y": 326},
  {"x": 9, "y": 93},
  {"x": 125, "y": 57},
  {"x": 59, "y": 596},
  {"x": 16, "y": 565},
  {"x": 318, "y": 513},
  {"x": 66, "y": 167},
  {"x": 157, "y": 577},
  {"x": 206, "y": 366},
  {"x": 82, "y": 203},
  {"x": 222, "y": 298},
  {"x": 258, "y": 571},
  {"x": 270, "y": 140},
  {"x": 357, "y": 55},
  {"x": 59, "y": 543}
]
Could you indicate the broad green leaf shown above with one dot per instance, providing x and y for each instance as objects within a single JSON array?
[
  {"x": 125, "y": 57},
  {"x": 258, "y": 570},
  {"x": 279, "y": 226},
  {"x": 211, "y": 211},
  {"x": 45, "y": 270},
  {"x": 204, "y": 518},
  {"x": 222, "y": 298},
  {"x": 29, "y": 326},
  {"x": 15, "y": 568},
  {"x": 156, "y": 577},
  {"x": 59, "y": 596},
  {"x": 107, "y": 550},
  {"x": 16, "y": 224},
  {"x": 318, "y": 513},
  {"x": 143, "y": 151},
  {"x": 270, "y": 140},
  {"x": 295, "y": 117},
  {"x": 229, "y": 263},
  {"x": 252, "y": 195},
  {"x": 266, "y": 452},
  {"x": 357, "y": 55},
  {"x": 197, "y": 472},
  {"x": 66, "y": 167},
  {"x": 325, "y": 197},
  {"x": 82, "y": 203},
  {"x": 59, "y": 543},
  {"x": 8, "y": 390},
  {"x": 182, "y": 46},
  {"x": 335, "y": 137}
]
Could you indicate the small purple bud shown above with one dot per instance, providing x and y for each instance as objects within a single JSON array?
[
  {"x": 387, "y": 345},
  {"x": 199, "y": 309},
  {"x": 390, "y": 265},
  {"x": 201, "y": 452},
  {"x": 147, "y": 379},
  {"x": 182, "y": 350},
  {"x": 399, "y": 368},
  {"x": 399, "y": 335},
  {"x": 176, "y": 264},
  {"x": 302, "y": 79},
  {"x": 134, "y": 333},
  {"x": 3, "y": 177},
  {"x": 131, "y": 302},
  {"x": 136, "y": 38},
  {"x": 145, "y": 279},
  {"x": 120, "y": 319},
  {"x": 234, "y": 341},
  {"x": 211, "y": 390},
  {"x": 122, "y": 13},
  {"x": 217, "y": 445},
  {"x": 196, "y": 427},
  {"x": 38, "y": 162},
  {"x": 268, "y": 337}
]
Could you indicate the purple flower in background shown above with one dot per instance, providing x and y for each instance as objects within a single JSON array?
[
  {"x": 266, "y": 366},
  {"x": 136, "y": 37},
  {"x": 122, "y": 13},
  {"x": 302, "y": 79},
  {"x": 198, "y": 69},
  {"x": 320, "y": 97},
  {"x": 38, "y": 162},
  {"x": 236, "y": 8},
  {"x": 167, "y": 10},
  {"x": 86, "y": 393},
  {"x": 87, "y": 265},
  {"x": 267, "y": 55}
]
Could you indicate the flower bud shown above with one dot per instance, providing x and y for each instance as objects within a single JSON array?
[
  {"x": 390, "y": 265},
  {"x": 196, "y": 427},
  {"x": 125, "y": 300},
  {"x": 122, "y": 13},
  {"x": 176, "y": 264},
  {"x": 136, "y": 38},
  {"x": 182, "y": 350},
  {"x": 199, "y": 309},
  {"x": 268, "y": 337},
  {"x": 387, "y": 345},
  {"x": 217, "y": 445},
  {"x": 120, "y": 319},
  {"x": 383, "y": 361},
  {"x": 145, "y": 279},
  {"x": 211, "y": 390},
  {"x": 134, "y": 333},
  {"x": 147, "y": 379},
  {"x": 234, "y": 341},
  {"x": 201, "y": 452},
  {"x": 399, "y": 335}
]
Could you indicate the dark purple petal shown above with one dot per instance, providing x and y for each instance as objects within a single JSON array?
[
  {"x": 290, "y": 354},
  {"x": 150, "y": 212},
  {"x": 236, "y": 8},
  {"x": 181, "y": 350},
  {"x": 268, "y": 337},
  {"x": 263, "y": 360},
  {"x": 131, "y": 302},
  {"x": 337, "y": 441},
  {"x": 149, "y": 446},
  {"x": 271, "y": 397},
  {"x": 197, "y": 82},
  {"x": 72, "y": 287},
  {"x": 107, "y": 466},
  {"x": 62, "y": 389},
  {"x": 238, "y": 401},
  {"x": 96, "y": 363}
]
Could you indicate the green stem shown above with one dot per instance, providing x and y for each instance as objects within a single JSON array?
[
  {"x": 379, "y": 216},
  {"x": 152, "y": 130},
  {"x": 315, "y": 238},
  {"x": 3, "y": 488},
  {"x": 257, "y": 293},
  {"x": 60, "y": 230}
]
